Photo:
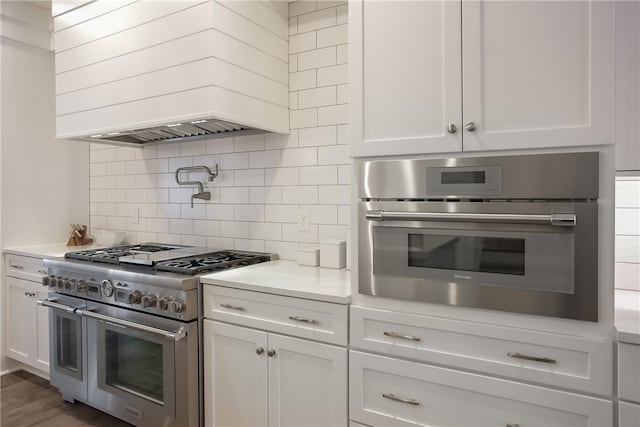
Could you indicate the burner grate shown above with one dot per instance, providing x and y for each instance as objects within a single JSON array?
[
  {"x": 112, "y": 255},
  {"x": 210, "y": 262}
]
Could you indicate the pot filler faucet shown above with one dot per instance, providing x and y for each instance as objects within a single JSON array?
[{"x": 202, "y": 195}]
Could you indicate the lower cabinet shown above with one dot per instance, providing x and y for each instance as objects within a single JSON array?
[
  {"x": 256, "y": 378},
  {"x": 391, "y": 392},
  {"x": 628, "y": 414},
  {"x": 27, "y": 324}
]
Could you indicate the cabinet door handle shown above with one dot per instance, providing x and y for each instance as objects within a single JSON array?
[
  {"x": 271, "y": 353},
  {"x": 470, "y": 126},
  {"x": 232, "y": 307},
  {"x": 392, "y": 396},
  {"x": 259, "y": 351},
  {"x": 532, "y": 358},
  {"x": 403, "y": 337},
  {"x": 16, "y": 266},
  {"x": 452, "y": 128},
  {"x": 304, "y": 320}
]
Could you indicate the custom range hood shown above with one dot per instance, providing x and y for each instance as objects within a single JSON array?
[
  {"x": 150, "y": 72},
  {"x": 173, "y": 132}
]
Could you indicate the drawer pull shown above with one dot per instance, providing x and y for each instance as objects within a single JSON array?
[
  {"x": 391, "y": 396},
  {"x": 303, "y": 320},
  {"x": 232, "y": 307},
  {"x": 404, "y": 337},
  {"x": 532, "y": 358},
  {"x": 513, "y": 425},
  {"x": 16, "y": 266}
]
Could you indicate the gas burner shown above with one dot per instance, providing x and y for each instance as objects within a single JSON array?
[
  {"x": 213, "y": 261},
  {"x": 113, "y": 255}
]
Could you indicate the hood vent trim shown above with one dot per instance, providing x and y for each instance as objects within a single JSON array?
[{"x": 189, "y": 130}]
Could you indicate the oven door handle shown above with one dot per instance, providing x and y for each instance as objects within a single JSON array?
[
  {"x": 175, "y": 336},
  {"x": 557, "y": 219},
  {"x": 50, "y": 302}
]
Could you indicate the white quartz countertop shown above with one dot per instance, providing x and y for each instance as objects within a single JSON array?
[
  {"x": 53, "y": 250},
  {"x": 289, "y": 279},
  {"x": 628, "y": 316}
]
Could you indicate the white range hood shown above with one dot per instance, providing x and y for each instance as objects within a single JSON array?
[{"x": 143, "y": 72}]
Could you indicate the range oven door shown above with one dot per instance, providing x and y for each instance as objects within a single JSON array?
[
  {"x": 67, "y": 346},
  {"x": 537, "y": 258},
  {"x": 140, "y": 366}
]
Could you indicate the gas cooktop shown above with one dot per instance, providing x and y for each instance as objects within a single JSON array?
[{"x": 171, "y": 258}]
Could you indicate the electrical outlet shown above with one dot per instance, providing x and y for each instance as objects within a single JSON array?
[{"x": 303, "y": 220}]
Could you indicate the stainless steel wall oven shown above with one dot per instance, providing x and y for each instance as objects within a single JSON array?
[{"x": 510, "y": 233}]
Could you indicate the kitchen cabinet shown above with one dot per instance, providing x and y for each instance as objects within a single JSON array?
[
  {"x": 255, "y": 376},
  {"x": 628, "y": 384},
  {"x": 534, "y": 74},
  {"x": 26, "y": 323},
  {"x": 392, "y": 392}
]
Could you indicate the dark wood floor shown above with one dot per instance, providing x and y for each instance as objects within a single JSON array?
[{"x": 28, "y": 400}]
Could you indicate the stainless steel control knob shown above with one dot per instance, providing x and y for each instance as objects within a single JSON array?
[
  {"x": 163, "y": 303},
  {"x": 135, "y": 297},
  {"x": 81, "y": 286},
  {"x": 60, "y": 282},
  {"x": 107, "y": 288},
  {"x": 149, "y": 300},
  {"x": 176, "y": 306},
  {"x": 68, "y": 284}
]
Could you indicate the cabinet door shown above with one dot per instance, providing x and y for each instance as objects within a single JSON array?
[
  {"x": 235, "y": 373},
  {"x": 20, "y": 320},
  {"x": 307, "y": 383},
  {"x": 405, "y": 66},
  {"x": 537, "y": 74},
  {"x": 41, "y": 350}
]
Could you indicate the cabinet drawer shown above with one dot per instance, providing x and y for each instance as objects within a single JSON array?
[
  {"x": 629, "y": 372},
  {"x": 628, "y": 414},
  {"x": 315, "y": 320},
  {"x": 392, "y": 392},
  {"x": 23, "y": 267},
  {"x": 562, "y": 361}
]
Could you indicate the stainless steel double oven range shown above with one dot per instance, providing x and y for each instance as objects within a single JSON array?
[
  {"x": 510, "y": 233},
  {"x": 124, "y": 328}
]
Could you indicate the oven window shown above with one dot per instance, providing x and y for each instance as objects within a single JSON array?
[
  {"x": 67, "y": 343},
  {"x": 467, "y": 253},
  {"x": 134, "y": 365}
]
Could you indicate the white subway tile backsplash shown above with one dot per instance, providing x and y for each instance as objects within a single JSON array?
[
  {"x": 302, "y": 42},
  {"x": 300, "y": 195},
  {"x": 332, "y": 36},
  {"x": 302, "y": 80},
  {"x": 317, "y": 58},
  {"x": 315, "y": 20},
  {"x": 303, "y": 118},
  {"x": 249, "y": 177},
  {"x": 325, "y": 135},
  {"x": 264, "y": 179},
  {"x": 628, "y": 221},
  {"x": 627, "y": 276},
  {"x": 316, "y": 175},
  {"x": 234, "y": 229},
  {"x": 628, "y": 249},
  {"x": 628, "y": 193},
  {"x": 265, "y": 231},
  {"x": 300, "y": 156},
  {"x": 265, "y": 159}
]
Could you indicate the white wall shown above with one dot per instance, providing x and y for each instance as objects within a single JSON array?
[
  {"x": 265, "y": 179},
  {"x": 628, "y": 232},
  {"x": 44, "y": 182}
]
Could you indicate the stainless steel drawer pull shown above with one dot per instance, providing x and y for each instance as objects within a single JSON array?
[
  {"x": 232, "y": 307},
  {"x": 16, "y": 266},
  {"x": 557, "y": 219},
  {"x": 391, "y": 396},
  {"x": 303, "y": 320},
  {"x": 532, "y": 358},
  {"x": 403, "y": 337},
  {"x": 513, "y": 425}
]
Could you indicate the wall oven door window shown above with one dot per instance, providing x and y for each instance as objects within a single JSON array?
[{"x": 522, "y": 260}]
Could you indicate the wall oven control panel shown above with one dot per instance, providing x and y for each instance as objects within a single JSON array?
[{"x": 464, "y": 181}]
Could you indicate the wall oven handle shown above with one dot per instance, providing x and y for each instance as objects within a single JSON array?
[
  {"x": 557, "y": 219},
  {"x": 176, "y": 336},
  {"x": 50, "y": 302}
]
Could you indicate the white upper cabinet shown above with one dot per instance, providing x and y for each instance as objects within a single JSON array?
[
  {"x": 406, "y": 70},
  {"x": 432, "y": 77},
  {"x": 126, "y": 65}
]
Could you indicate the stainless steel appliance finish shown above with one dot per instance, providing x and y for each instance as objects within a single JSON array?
[
  {"x": 510, "y": 233},
  {"x": 124, "y": 328}
]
